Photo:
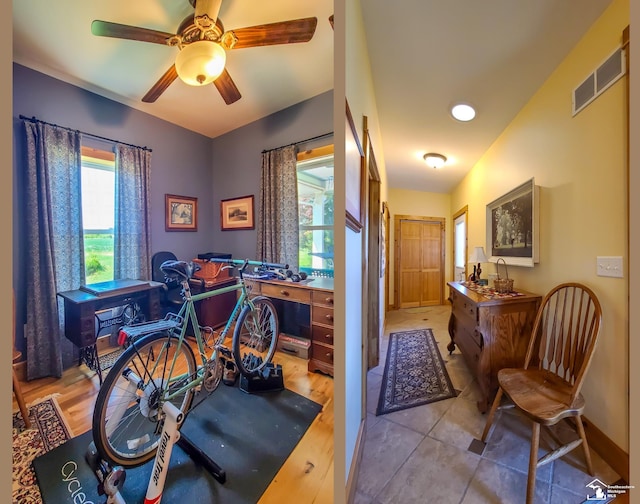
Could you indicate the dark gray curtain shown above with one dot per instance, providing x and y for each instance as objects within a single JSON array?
[
  {"x": 54, "y": 242},
  {"x": 132, "y": 241},
  {"x": 278, "y": 234}
]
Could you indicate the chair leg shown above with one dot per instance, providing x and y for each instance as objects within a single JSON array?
[
  {"x": 21, "y": 404},
  {"x": 533, "y": 463},
  {"x": 585, "y": 446},
  {"x": 492, "y": 412}
]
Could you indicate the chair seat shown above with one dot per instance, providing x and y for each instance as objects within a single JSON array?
[{"x": 541, "y": 395}]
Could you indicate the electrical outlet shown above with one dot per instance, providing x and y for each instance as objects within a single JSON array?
[{"x": 609, "y": 266}]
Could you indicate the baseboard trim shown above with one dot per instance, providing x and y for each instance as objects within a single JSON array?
[
  {"x": 611, "y": 453},
  {"x": 355, "y": 464}
]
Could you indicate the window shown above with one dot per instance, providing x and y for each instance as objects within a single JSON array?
[
  {"x": 315, "y": 211},
  {"x": 98, "y": 202}
]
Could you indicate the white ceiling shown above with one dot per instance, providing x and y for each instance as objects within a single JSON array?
[
  {"x": 54, "y": 37},
  {"x": 424, "y": 54},
  {"x": 494, "y": 54}
]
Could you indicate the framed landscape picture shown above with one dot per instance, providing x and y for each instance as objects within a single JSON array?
[
  {"x": 513, "y": 227},
  {"x": 237, "y": 213},
  {"x": 181, "y": 213}
]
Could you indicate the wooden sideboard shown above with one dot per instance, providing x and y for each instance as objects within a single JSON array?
[
  {"x": 215, "y": 311},
  {"x": 491, "y": 332},
  {"x": 318, "y": 294}
]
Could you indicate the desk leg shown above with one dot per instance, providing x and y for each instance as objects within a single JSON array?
[{"x": 89, "y": 355}]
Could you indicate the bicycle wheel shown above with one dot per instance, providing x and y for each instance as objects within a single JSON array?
[
  {"x": 255, "y": 336},
  {"x": 128, "y": 416}
]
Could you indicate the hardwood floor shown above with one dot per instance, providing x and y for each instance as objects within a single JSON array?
[{"x": 305, "y": 477}]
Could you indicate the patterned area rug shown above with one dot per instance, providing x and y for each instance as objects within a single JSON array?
[
  {"x": 414, "y": 373},
  {"x": 49, "y": 429}
]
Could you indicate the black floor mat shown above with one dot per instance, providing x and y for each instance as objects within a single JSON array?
[{"x": 248, "y": 435}]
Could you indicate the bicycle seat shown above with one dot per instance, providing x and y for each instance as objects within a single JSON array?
[{"x": 179, "y": 270}]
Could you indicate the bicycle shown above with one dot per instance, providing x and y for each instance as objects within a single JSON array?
[{"x": 159, "y": 364}]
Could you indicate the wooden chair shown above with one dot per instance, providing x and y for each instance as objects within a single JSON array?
[
  {"x": 547, "y": 389},
  {"x": 17, "y": 390}
]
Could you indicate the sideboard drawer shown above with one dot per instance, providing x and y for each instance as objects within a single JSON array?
[{"x": 287, "y": 292}]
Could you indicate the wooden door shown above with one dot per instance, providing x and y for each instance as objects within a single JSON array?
[{"x": 420, "y": 261}]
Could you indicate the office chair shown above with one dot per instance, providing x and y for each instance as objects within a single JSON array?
[
  {"x": 547, "y": 389},
  {"x": 171, "y": 297}
]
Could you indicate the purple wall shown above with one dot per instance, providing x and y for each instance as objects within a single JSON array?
[
  {"x": 237, "y": 160},
  {"x": 182, "y": 162}
]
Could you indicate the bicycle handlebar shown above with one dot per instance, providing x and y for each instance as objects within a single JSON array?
[{"x": 247, "y": 262}]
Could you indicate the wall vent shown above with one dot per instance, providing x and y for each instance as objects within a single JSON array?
[{"x": 599, "y": 81}]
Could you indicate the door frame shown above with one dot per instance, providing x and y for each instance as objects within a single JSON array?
[
  {"x": 463, "y": 211},
  {"x": 398, "y": 253}
]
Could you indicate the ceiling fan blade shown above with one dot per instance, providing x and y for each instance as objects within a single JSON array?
[
  {"x": 206, "y": 13},
  {"x": 116, "y": 30},
  {"x": 284, "y": 32},
  {"x": 227, "y": 88},
  {"x": 160, "y": 87}
]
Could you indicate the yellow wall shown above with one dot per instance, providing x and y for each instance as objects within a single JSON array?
[
  {"x": 580, "y": 165},
  {"x": 420, "y": 204}
]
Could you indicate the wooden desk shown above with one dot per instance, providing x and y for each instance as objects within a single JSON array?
[
  {"x": 491, "y": 333},
  {"x": 81, "y": 306},
  {"x": 318, "y": 294}
]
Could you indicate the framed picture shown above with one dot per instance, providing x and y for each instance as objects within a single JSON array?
[
  {"x": 513, "y": 227},
  {"x": 237, "y": 213},
  {"x": 354, "y": 175},
  {"x": 181, "y": 213}
]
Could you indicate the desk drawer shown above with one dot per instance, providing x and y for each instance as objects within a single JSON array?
[
  {"x": 322, "y": 315},
  {"x": 322, "y": 334},
  {"x": 286, "y": 292},
  {"x": 321, "y": 352},
  {"x": 322, "y": 297}
]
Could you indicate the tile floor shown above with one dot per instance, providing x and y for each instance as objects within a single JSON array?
[{"x": 421, "y": 454}]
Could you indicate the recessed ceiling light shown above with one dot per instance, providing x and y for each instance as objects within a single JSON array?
[
  {"x": 463, "y": 112},
  {"x": 434, "y": 160}
]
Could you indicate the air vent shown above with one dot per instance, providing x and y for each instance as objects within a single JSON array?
[{"x": 595, "y": 84}]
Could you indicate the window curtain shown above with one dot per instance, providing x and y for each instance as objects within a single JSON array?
[
  {"x": 132, "y": 240},
  {"x": 278, "y": 234},
  {"x": 54, "y": 242}
]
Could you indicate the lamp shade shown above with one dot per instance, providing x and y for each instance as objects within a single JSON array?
[
  {"x": 200, "y": 62},
  {"x": 477, "y": 256}
]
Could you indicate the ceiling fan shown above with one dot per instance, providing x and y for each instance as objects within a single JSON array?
[{"x": 203, "y": 43}]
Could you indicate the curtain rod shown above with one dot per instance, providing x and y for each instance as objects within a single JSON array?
[
  {"x": 33, "y": 120},
  {"x": 302, "y": 141}
]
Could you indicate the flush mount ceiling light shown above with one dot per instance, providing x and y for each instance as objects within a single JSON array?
[
  {"x": 434, "y": 160},
  {"x": 463, "y": 112},
  {"x": 200, "y": 62}
]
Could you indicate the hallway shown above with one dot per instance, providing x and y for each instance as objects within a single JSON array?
[{"x": 421, "y": 455}]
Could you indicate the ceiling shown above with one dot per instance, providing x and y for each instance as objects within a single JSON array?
[
  {"x": 54, "y": 37},
  {"x": 493, "y": 54}
]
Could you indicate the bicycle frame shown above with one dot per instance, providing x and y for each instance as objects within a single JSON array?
[{"x": 188, "y": 314}]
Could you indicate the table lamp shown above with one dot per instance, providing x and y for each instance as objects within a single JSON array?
[{"x": 477, "y": 256}]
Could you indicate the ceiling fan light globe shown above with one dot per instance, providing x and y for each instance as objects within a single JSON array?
[{"x": 200, "y": 62}]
